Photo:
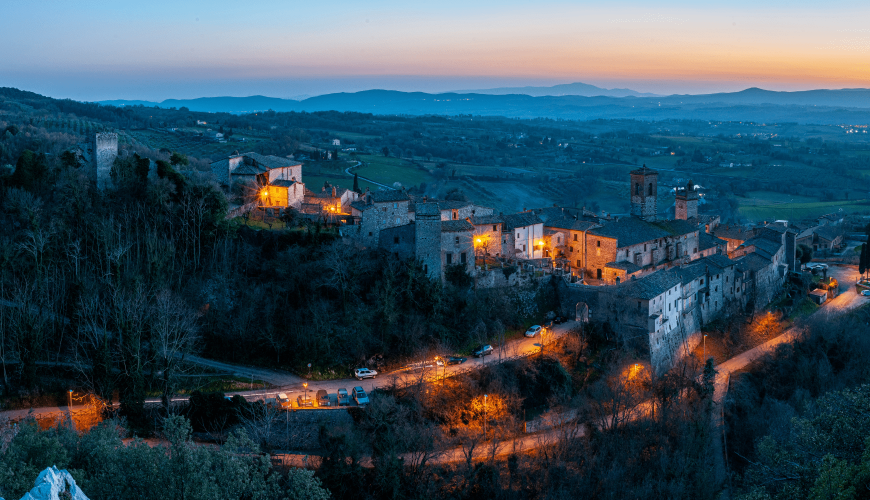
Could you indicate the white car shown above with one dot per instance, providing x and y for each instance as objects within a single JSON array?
[
  {"x": 534, "y": 330},
  {"x": 361, "y": 373},
  {"x": 359, "y": 395},
  {"x": 283, "y": 400},
  {"x": 865, "y": 293}
]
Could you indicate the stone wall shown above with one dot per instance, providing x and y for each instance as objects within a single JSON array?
[
  {"x": 456, "y": 244},
  {"x": 600, "y": 251},
  {"x": 399, "y": 240},
  {"x": 427, "y": 241},
  {"x": 105, "y": 152}
]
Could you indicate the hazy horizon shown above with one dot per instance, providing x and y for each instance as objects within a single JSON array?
[{"x": 162, "y": 50}]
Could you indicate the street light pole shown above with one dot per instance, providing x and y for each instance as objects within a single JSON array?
[
  {"x": 705, "y": 348},
  {"x": 305, "y": 385}
]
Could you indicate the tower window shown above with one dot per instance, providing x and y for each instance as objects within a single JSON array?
[
  {"x": 650, "y": 189},
  {"x": 637, "y": 189}
]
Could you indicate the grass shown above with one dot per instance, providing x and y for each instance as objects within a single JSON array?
[
  {"x": 388, "y": 170},
  {"x": 227, "y": 383},
  {"x": 802, "y": 210}
]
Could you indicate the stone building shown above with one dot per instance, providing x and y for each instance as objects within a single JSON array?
[
  {"x": 734, "y": 235},
  {"x": 487, "y": 234},
  {"x": 646, "y": 245},
  {"x": 573, "y": 248},
  {"x": 376, "y": 211},
  {"x": 256, "y": 169},
  {"x": 686, "y": 204},
  {"x": 105, "y": 150},
  {"x": 523, "y": 236},
  {"x": 460, "y": 210},
  {"x": 644, "y": 193},
  {"x": 434, "y": 242}
]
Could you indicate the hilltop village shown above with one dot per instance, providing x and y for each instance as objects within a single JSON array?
[{"x": 655, "y": 281}]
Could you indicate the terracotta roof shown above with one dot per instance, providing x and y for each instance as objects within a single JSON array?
[
  {"x": 282, "y": 183},
  {"x": 651, "y": 285},
  {"x": 730, "y": 232},
  {"x": 480, "y": 220},
  {"x": 630, "y": 231},
  {"x": 427, "y": 209},
  {"x": 571, "y": 223},
  {"x": 522, "y": 219},
  {"x": 456, "y": 226},
  {"x": 628, "y": 267},
  {"x": 389, "y": 196}
]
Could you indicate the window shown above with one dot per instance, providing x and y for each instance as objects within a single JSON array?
[
  {"x": 696, "y": 249},
  {"x": 456, "y": 240},
  {"x": 494, "y": 227},
  {"x": 669, "y": 306},
  {"x": 558, "y": 239},
  {"x": 397, "y": 220},
  {"x": 518, "y": 235},
  {"x": 395, "y": 205},
  {"x": 650, "y": 193},
  {"x": 370, "y": 233},
  {"x": 449, "y": 258},
  {"x": 396, "y": 240},
  {"x": 571, "y": 249},
  {"x": 578, "y": 263},
  {"x": 524, "y": 248},
  {"x": 384, "y": 209},
  {"x": 702, "y": 281},
  {"x": 575, "y": 237},
  {"x": 598, "y": 273},
  {"x": 637, "y": 189},
  {"x": 599, "y": 243},
  {"x": 455, "y": 214},
  {"x": 726, "y": 279},
  {"x": 644, "y": 247},
  {"x": 638, "y": 305},
  {"x": 462, "y": 257}
]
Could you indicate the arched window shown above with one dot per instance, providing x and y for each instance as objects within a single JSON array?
[
  {"x": 650, "y": 189},
  {"x": 637, "y": 189}
]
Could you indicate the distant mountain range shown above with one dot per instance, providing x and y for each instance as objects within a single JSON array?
[
  {"x": 850, "y": 106},
  {"x": 578, "y": 88}
]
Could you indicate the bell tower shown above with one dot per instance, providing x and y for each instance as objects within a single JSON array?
[
  {"x": 686, "y": 204},
  {"x": 644, "y": 193}
]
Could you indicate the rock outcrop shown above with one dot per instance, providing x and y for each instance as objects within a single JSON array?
[{"x": 54, "y": 484}]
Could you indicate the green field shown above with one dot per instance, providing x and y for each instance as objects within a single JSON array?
[
  {"x": 388, "y": 170},
  {"x": 315, "y": 182},
  {"x": 794, "y": 211}
]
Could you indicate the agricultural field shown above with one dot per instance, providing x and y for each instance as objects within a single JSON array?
[
  {"x": 803, "y": 210},
  {"x": 388, "y": 170}
]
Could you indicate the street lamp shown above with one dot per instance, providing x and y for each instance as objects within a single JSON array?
[
  {"x": 70, "y": 401},
  {"x": 705, "y": 348},
  {"x": 305, "y": 385}
]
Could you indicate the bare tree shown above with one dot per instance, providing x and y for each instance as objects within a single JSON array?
[{"x": 174, "y": 334}]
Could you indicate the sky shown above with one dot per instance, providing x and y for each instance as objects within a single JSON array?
[{"x": 157, "y": 49}]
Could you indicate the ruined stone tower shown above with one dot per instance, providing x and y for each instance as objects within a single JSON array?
[
  {"x": 427, "y": 237},
  {"x": 105, "y": 152},
  {"x": 686, "y": 205},
  {"x": 644, "y": 193}
]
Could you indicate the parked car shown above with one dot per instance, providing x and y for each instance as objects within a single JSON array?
[
  {"x": 359, "y": 395},
  {"x": 420, "y": 365},
  {"x": 304, "y": 401},
  {"x": 343, "y": 397},
  {"x": 456, "y": 360},
  {"x": 361, "y": 373},
  {"x": 865, "y": 293},
  {"x": 322, "y": 398},
  {"x": 534, "y": 330},
  {"x": 283, "y": 400},
  {"x": 484, "y": 350},
  {"x": 558, "y": 320}
]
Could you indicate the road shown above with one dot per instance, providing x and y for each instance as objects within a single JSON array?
[
  {"x": 291, "y": 384},
  {"x": 347, "y": 171}
]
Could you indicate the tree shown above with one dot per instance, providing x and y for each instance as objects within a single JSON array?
[
  {"x": 178, "y": 159},
  {"x": 356, "y": 188},
  {"x": 804, "y": 253},
  {"x": 862, "y": 259},
  {"x": 385, "y": 150}
]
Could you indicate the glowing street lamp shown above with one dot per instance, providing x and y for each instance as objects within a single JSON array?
[{"x": 305, "y": 385}]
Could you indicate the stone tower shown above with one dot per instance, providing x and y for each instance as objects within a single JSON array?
[
  {"x": 105, "y": 152},
  {"x": 644, "y": 193},
  {"x": 427, "y": 237},
  {"x": 686, "y": 205}
]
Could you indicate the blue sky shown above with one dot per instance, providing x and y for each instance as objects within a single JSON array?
[{"x": 155, "y": 50}]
